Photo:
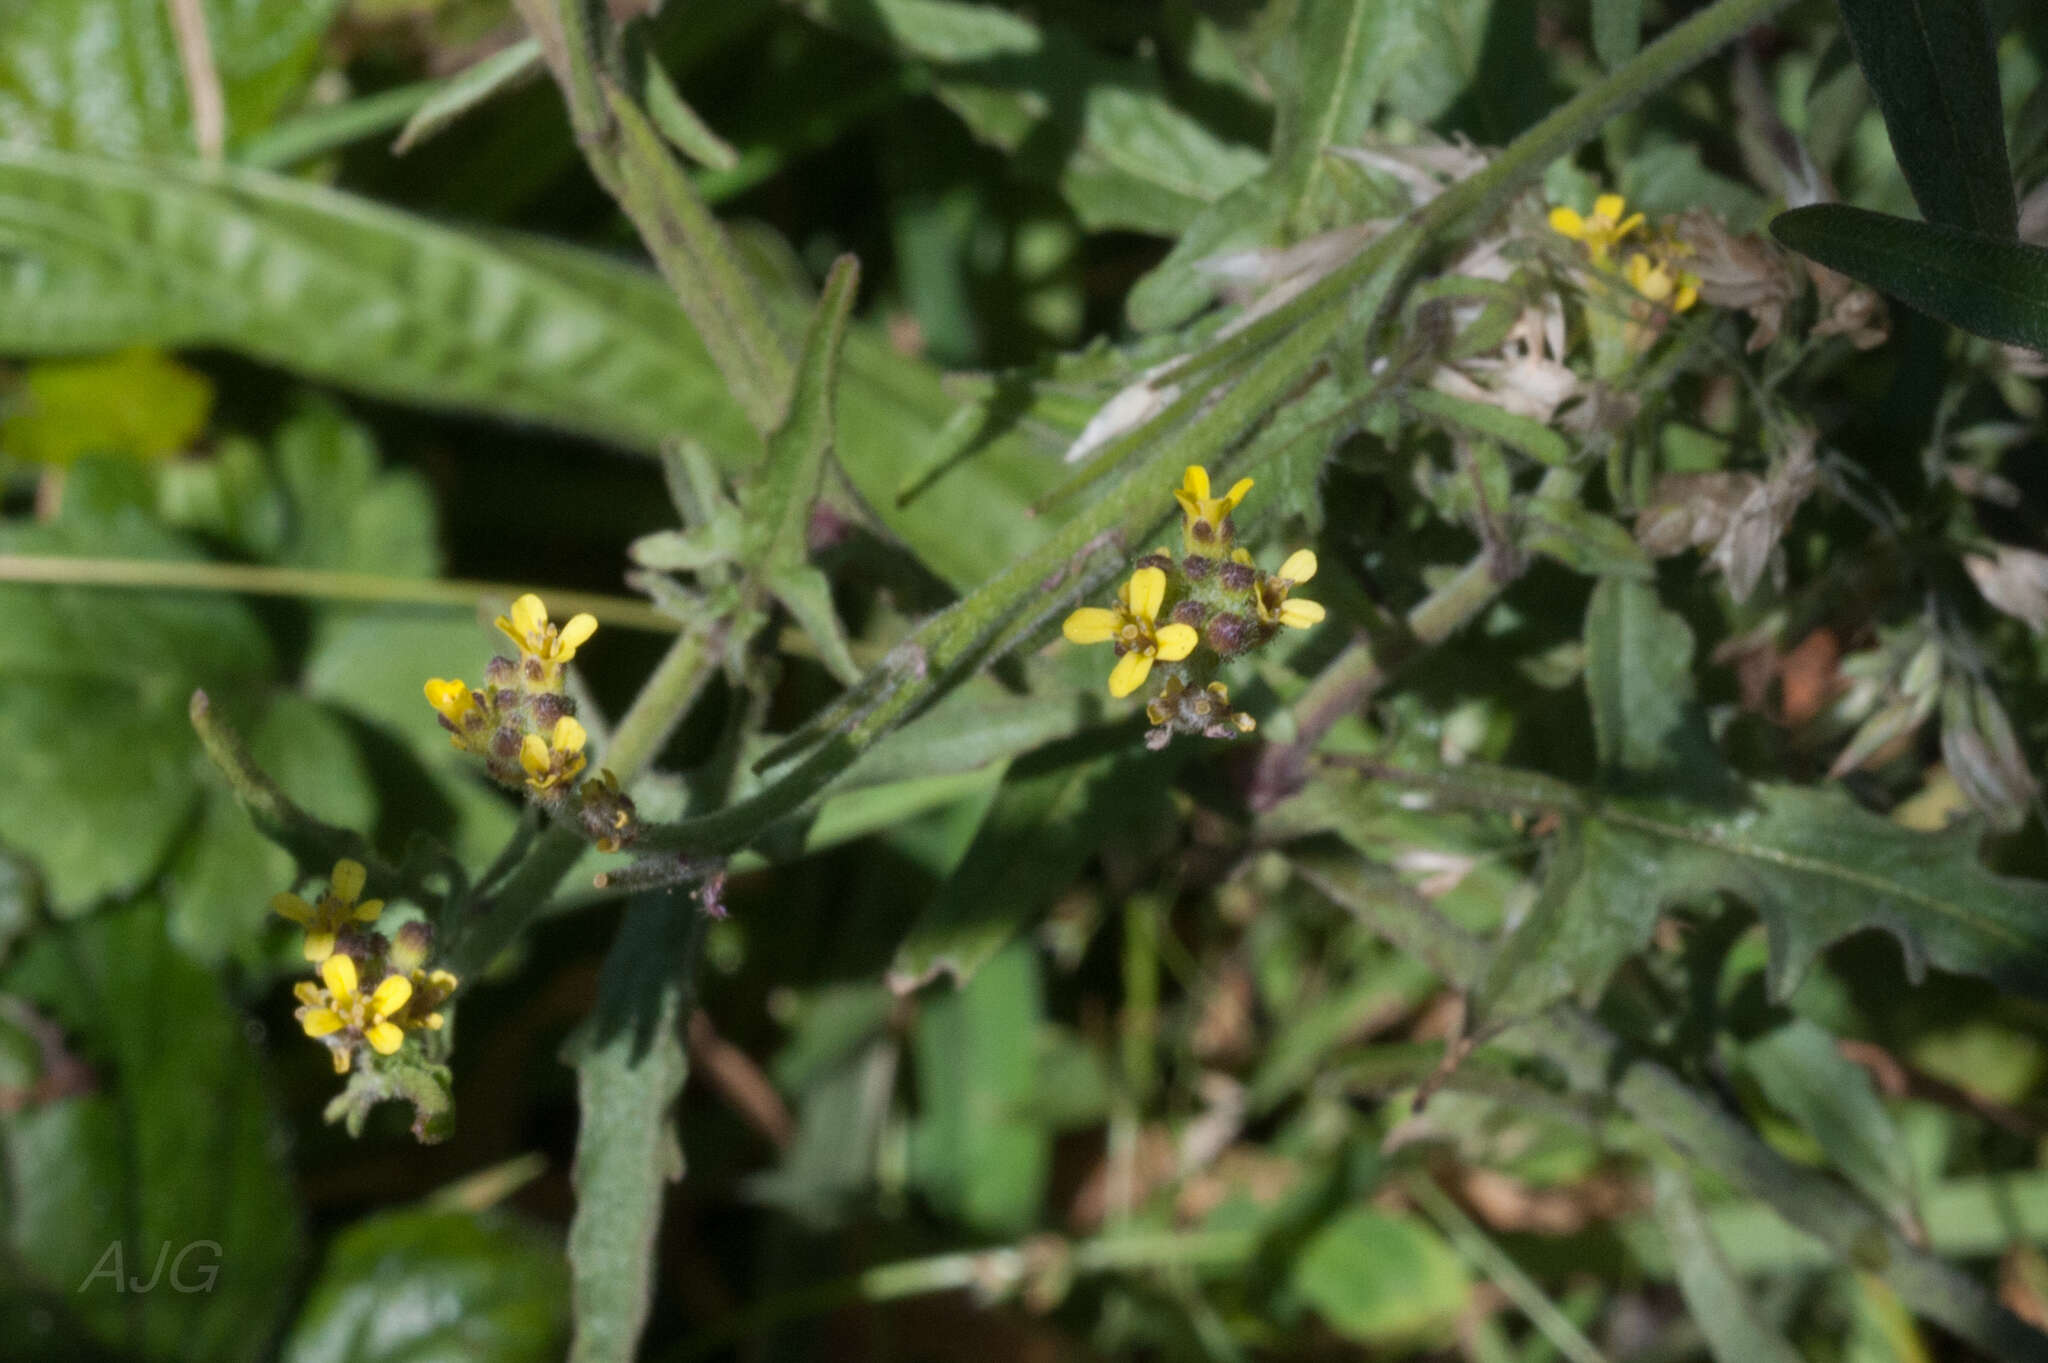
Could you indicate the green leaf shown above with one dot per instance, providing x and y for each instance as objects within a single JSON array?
[
  {"x": 1648, "y": 727},
  {"x": 1814, "y": 865},
  {"x": 99, "y": 255},
  {"x": 346, "y": 514},
  {"x": 630, "y": 1065},
  {"x": 1385, "y": 1281},
  {"x": 170, "y": 1153},
  {"x": 1531, "y": 437},
  {"x": 1582, "y": 539},
  {"x": 1054, "y": 810},
  {"x": 806, "y": 594},
  {"x": 1808, "y": 1079},
  {"x": 472, "y": 85},
  {"x": 1098, "y": 127},
  {"x": 1932, "y": 67},
  {"x": 434, "y": 1287},
  {"x": 974, "y": 1150},
  {"x": 104, "y": 75},
  {"x": 101, "y": 776},
  {"x": 136, "y": 402},
  {"x": 224, "y": 872},
  {"x": 1735, "y": 1330},
  {"x": 1982, "y": 284}
]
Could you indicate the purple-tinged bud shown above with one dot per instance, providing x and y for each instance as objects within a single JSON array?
[
  {"x": 550, "y": 706},
  {"x": 1158, "y": 560},
  {"x": 1198, "y": 566},
  {"x": 501, "y": 672},
  {"x": 1239, "y": 577},
  {"x": 411, "y": 947},
  {"x": 1201, "y": 532},
  {"x": 505, "y": 743},
  {"x": 1231, "y": 634},
  {"x": 1190, "y": 613}
]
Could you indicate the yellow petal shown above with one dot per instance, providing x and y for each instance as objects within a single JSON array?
[
  {"x": 533, "y": 754},
  {"x": 1300, "y": 566},
  {"x": 1688, "y": 292},
  {"x": 367, "y": 911},
  {"x": 1567, "y": 222},
  {"x": 1298, "y": 614},
  {"x": 1610, "y": 207},
  {"x": 1236, "y": 494},
  {"x": 340, "y": 974},
  {"x": 1195, "y": 482},
  {"x": 308, "y": 993},
  {"x": 1176, "y": 642},
  {"x": 1091, "y": 625},
  {"x": 443, "y": 980},
  {"x": 529, "y": 616},
  {"x": 347, "y": 880},
  {"x": 292, "y": 907},
  {"x": 342, "y": 1055},
  {"x": 1627, "y": 225},
  {"x": 319, "y": 946},
  {"x": 384, "y": 1038},
  {"x": 1240, "y": 556},
  {"x": 1148, "y": 593},
  {"x": 322, "y": 1022},
  {"x": 511, "y": 631},
  {"x": 577, "y": 632},
  {"x": 391, "y": 995},
  {"x": 1129, "y": 674},
  {"x": 568, "y": 736}
]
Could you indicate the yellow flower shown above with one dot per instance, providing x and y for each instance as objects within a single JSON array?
[
  {"x": 457, "y": 705},
  {"x": 542, "y": 647},
  {"x": 1602, "y": 231},
  {"x": 430, "y": 989},
  {"x": 1133, "y": 626},
  {"x": 1275, "y": 606},
  {"x": 333, "y": 911},
  {"x": 1659, "y": 282},
  {"x": 556, "y": 759},
  {"x": 342, "y": 1010},
  {"x": 1204, "y": 514}
]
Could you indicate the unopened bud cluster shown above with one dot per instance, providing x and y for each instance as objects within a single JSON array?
[
  {"x": 524, "y": 726},
  {"x": 1184, "y": 615}
]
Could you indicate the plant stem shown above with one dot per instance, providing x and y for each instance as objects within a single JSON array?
[
  {"x": 318, "y": 584},
  {"x": 669, "y": 692}
]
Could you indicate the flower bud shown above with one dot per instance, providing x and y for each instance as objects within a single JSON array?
[
  {"x": 1231, "y": 634},
  {"x": 1239, "y": 577},
  {"x": 411, "y": 947},
  {"x": 1197, "y": 566}
]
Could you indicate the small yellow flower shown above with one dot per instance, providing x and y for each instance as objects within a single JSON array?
[
  {"x": 556, "y": 759},
  {"x": 457, "y": 705},
  {"x": 1133, "y": 626},
  {"x": 333, "y": 911},
  {"x": 343, "y": 1011},
  {"x": 430, "y": 989},
  {"x": 543, "y": 648},
  {"x": 1602, "y": 231},
  {"x": 1659, "y": 282},
  {"x": 1275, "y": 606},
  {"x": 1204, "y": 515}
]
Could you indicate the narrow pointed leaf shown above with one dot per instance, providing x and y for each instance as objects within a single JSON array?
[
  {"x": 807, "y": 596},
  {"x": 799, "y": 446},
  {"x": 466, "y": 89},
  {"x": 1721, "y": 1307},
  {"x": 1990, "y": 287},
  {"x": 1931, "y": 65},
  {"x": 1648, "y": 727}
]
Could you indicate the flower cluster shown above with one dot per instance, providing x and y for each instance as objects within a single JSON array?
[
  {"x": 1184, "y": 616},
  {"x": 336, "y": 1010},
  {"x": 1621, "y": 246},
  {"x": 523, "y": 724}
]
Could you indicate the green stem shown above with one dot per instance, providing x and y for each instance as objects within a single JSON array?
[
  {"x": 1501, "y": 1269},
  {"x": 253, "y": 579},
  {"x": 673, "y": 687}
]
